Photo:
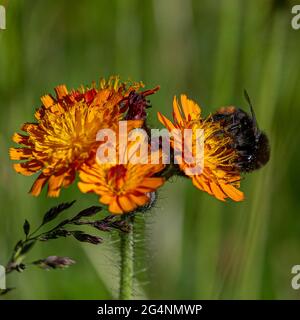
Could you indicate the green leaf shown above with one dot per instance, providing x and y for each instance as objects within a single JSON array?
[{"x": 26, "y": 227}]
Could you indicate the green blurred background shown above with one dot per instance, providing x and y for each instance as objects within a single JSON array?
[{"x": 196, "y": 247}]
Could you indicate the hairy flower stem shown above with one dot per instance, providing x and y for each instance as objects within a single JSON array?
[{"x": 126, "y": 252}]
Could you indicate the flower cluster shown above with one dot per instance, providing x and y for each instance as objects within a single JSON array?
[{"x": 62, "y": 142}]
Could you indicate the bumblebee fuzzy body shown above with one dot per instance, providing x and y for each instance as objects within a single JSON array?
[{"x": 251, "y": 144}]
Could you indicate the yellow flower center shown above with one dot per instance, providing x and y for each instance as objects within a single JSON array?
[{"x": 69, "y": 137}]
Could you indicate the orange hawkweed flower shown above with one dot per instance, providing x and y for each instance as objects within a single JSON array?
[
  {"x": 64, "y": 136},
  {"x": 220, "y": 176},
  {"x": 123, "y": 187}
]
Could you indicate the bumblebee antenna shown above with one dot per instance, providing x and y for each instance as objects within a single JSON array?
[{"x": 255, "y": 126}]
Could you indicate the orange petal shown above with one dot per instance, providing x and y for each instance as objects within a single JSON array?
[
  {"x": 177, "y": 112},
  {"x": 101, "y": 97},
  {"x": 201, "y": 184},
  {"x": 140, "y": 200},
  {"x": 198, "y": 183},
  {"x": 54, "y": 185},
  {"x": 89, "y": 177},
  {"x": 190, "y": 108},
  {"x": 153, "y": 183},
  {"x": 57, "y": 108},
  {"x": 27, "y": 127},
  {"x": 114, "y": 207},
  {"x": 217, "y": 191},
  {"x": 126, "y": 204},
  {"x": 232, "y": 192},
  {"x": 106, "y": 199},
  {"x": 28, "y": 168},
  {"x": 38, "y": 185},
  {"x": 69, "y": 178},
  {"x": 39, "y": 113},
  {"x": 61, "y": 91},
  {"x": 47, "y": 100},
  {"x": 20, "y": 139},
  {"x": 85, "y": 187},
  {"x": 166, "y": 122},
  {"x": 20, "y": 153}
]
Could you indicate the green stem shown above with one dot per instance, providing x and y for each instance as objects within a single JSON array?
[{"x": 126, "y": 251}]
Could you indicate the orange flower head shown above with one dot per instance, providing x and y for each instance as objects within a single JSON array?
[
  {"x": 64, "y": 135},
  {"x": 220, "y": 176},
  {"x": 123, "y": 187}
]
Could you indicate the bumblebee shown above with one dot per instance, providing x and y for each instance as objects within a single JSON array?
[{"x": 252, "y": 145}]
